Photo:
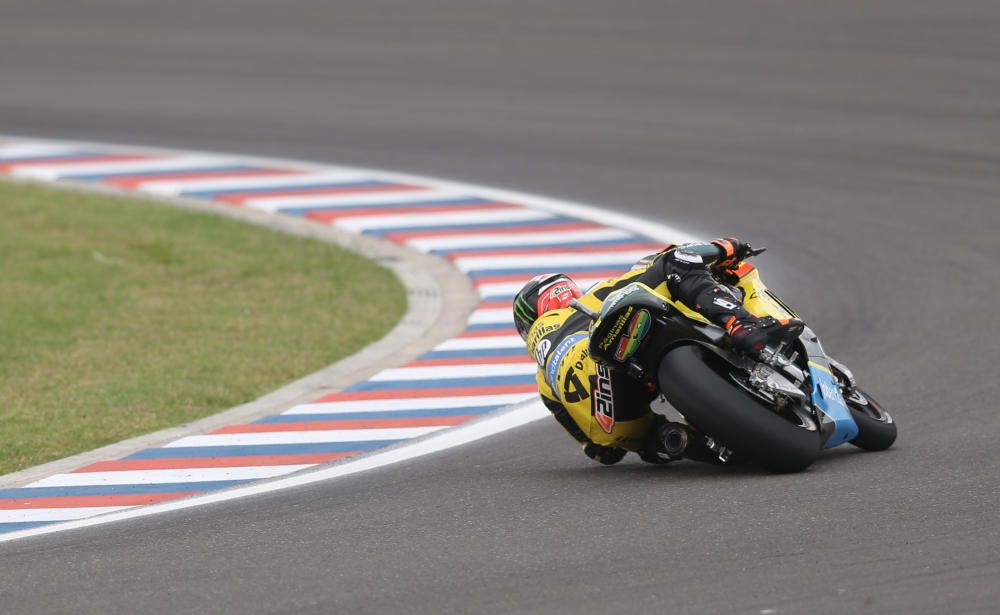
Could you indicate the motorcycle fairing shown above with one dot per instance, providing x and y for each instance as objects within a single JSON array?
[
  {"x": 757, "y": 299},
  {"x": 837, "y": 426},
  {"x": 623, "y": 324},
  {"x": 828, "y": 400}
]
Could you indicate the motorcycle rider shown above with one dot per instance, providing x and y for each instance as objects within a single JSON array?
[{"x": 605, "y": 410}]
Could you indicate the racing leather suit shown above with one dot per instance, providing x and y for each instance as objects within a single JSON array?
[{"x": 606, "y": 411}]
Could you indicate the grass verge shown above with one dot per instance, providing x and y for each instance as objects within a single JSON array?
[{"x": 119, "y": 317}]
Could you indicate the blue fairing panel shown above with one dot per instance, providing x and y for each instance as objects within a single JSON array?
[{"x": 826, "y": 395}]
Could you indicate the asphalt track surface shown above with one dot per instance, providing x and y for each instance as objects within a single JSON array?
[{"x": 859, "y": 141}]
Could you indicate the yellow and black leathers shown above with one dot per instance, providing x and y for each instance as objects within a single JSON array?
[
  {"x": 593, "y": 403},
  {"x": 605, "y": 410}
]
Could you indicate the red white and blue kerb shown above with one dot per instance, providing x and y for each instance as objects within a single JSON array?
[{"x": 498, "y": 244}]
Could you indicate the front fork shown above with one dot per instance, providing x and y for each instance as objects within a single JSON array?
[{"x": 776, "y": 377}]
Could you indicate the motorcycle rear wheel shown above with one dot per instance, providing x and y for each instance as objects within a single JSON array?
[
  {"x": 876, "y": 429},
  {"x": 693, "y": 380}
]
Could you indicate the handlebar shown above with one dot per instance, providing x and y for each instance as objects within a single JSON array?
[{"x": 579, "y": 307}]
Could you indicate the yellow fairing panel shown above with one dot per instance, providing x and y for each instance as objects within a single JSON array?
[{"x": 758, "y": 299}]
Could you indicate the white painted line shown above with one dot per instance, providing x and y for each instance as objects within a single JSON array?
[
  {"x": 457, "y": 241},
  {"x": 456, "y": 436},
  {"x": 13, "y": 151},
  {"x": 423, "y": 403},
  {"x": 455, "y": 371},
  {"x": 56, "y": 169},
  {"x": 153, "y": 477},
  {"x": 492, "y": 317},
  {"x": 148, "y": 184},
  {"x": 644, "y": 228},
  {"x": 511, "y": 214},
  {"x": 482, "y": 343},
  {"x": 551, "y": 261},
  {"x": 394, "y": 197},
  {"x": 303, "y": 437},
  {"x": 28, "y": 515},
  {"x": 251, "y": 183}
]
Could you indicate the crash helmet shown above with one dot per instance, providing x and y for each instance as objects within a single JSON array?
[{"x": 543, "y": 293}]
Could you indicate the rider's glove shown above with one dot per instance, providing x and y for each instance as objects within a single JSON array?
[
  {"x": 733, "y": 251},
  {"x": 606, "y": 455}
]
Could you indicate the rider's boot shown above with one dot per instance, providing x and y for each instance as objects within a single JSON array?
[
  {"x": 746, "y": 332},
  {"x": 751, "y": 335}
]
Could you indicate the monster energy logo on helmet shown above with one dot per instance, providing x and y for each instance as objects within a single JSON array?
[{"x": 524, "y": 311}]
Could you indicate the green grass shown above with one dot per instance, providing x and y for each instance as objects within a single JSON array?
[{"x": 120, "y": 317}]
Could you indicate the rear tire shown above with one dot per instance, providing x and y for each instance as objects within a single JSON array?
[
  {"x": 692, "y": 380},
  {"x": 876, "y": 429}
]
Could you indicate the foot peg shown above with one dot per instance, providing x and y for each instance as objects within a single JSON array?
[{"x": 723, "y": 454}]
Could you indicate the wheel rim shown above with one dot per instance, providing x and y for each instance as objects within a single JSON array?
[
  {"x": 860, "y": 401},
  {"x": 795, "y": 415}
]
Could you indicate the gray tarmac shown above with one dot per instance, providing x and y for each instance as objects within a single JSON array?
[{"x": 859, "y": 141}]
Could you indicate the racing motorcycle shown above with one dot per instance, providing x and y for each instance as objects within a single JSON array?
[{"x": 779, "y": 410}]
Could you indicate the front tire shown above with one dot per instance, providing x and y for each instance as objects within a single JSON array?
[
  {"x": 692, "y": 379},
  {"x": 876, "y": 429}
]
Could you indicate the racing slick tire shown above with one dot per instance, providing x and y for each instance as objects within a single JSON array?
[
  {"x": 693, "y": 380},
  {"x": 876, "y": 429}
]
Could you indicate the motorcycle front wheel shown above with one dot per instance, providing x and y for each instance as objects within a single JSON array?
[
  {"x": 694, "y": 380},
  {"x": 876, "y": 429}
]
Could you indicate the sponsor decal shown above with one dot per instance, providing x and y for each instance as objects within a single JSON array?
[
  {"x": 729, "y": 305},
  {"x": 574, "y": 390},
  {"x": 556, "y": 358},
  {"x": 542, "y": 351},
  {"x": 636, "y": 332},
  {"x": 616, "y": 297},
  {"x": 616, "y": 328},
  {"x": 688, "y": 257},
  {"x": 829, "y": 391},
  {"x": 523, "y": 310},
  {"x": 539, "y": 330},
  {"x": 557, "y": 296},
  {"x": 604, "y": 400}
]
